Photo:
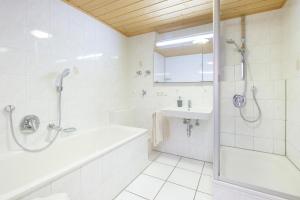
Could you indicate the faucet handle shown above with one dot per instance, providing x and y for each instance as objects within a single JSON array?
[{"x": 52, "y": 126}]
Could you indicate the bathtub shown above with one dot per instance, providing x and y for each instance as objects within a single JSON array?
[{"x": 96, "y": 164}]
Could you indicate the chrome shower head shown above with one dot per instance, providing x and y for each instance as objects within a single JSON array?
[
  {"x": 240, "y": 49},
  {"x": 231, "y": 41},
  {"x": 65, "y": 73},
  {"x": 59, "y": 81}
]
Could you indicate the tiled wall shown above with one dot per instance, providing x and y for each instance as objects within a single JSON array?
[
  {"x": 291, "y": 60},
  {"x": 103, "y": 178},
  {"x": 29, "y": 66},
  {"x": 264, "y": 43},
  {"x": 165, "y": 95}
]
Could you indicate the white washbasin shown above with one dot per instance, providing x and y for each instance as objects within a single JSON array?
[{"x": 203, "y": 113}]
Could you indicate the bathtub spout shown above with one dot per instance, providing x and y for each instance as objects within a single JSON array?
[{"x": 69, "y": 130}]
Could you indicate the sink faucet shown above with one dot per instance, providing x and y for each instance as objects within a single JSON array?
[{"x": 189, "y": 105}]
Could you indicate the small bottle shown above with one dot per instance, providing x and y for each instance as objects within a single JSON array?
[{"x": 179, "y": 102}]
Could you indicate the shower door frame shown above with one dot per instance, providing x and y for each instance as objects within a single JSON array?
[{"x": 216, "y": 111}]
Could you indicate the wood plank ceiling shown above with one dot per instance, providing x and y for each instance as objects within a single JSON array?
[{"x": 134, "y": 17}]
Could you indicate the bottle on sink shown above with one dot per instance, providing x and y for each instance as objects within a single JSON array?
[{"x": 179, "y": 102}]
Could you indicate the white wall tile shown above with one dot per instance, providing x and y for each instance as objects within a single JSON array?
[
  {"x": 291, "y": 60},
  {"x": 40, "y": 193},
  {"x": 265, "y": 72},
  {"x": 140, "y": 57},
  {"x": 30, "y": 66},
  {"x": 91, "y": 180},
  {"x": 263, "y": 144},
  {"x": 244, "y": 141},
  {"x": 227, "y": 139},
  {"x": 69, "y": 184}
]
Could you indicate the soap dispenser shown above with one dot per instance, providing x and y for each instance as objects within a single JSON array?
[{"x": 179, "y": 102}]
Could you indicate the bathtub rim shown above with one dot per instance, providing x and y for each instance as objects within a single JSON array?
[{"x": 41, "y": 182}]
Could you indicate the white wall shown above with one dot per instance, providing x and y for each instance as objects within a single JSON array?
[
  {"x": 165, "y": 95},
  {"x": 159, "y": 67},
  {"x": 29, "y": 66},
  {"x": 264, "y": 42},
  {"x": 291, "y": 63}
]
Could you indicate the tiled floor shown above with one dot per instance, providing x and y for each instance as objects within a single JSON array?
[{"x": 171, "y": 177}]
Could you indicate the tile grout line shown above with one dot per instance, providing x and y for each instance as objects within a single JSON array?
[
  {"x": 181, "y": 167},
  {"x": 161, "y": 152},
  {"x": 136, "y": 177},
  {"x": 176, "y": 167},
  {"x": 170, "y": 181},
  {"x": 199, "y": 181},
  {"x": 167, "y": 178},
  {"x": 136, "y": 194}
]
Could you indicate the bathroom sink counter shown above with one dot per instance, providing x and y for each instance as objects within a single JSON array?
[{"x": 202, "y": 113}]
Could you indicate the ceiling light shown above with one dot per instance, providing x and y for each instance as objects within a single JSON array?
[
  {"x": 3, "y": 49},
  {"x": 115, "y": 57},
  {"x": 40, "y": 34},
  {"x": 184, "y": 40},
  {"x": 201, "y": 41},
  {"x": 89, "y": 56}
]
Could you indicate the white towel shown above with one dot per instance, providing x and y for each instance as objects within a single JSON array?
[
  {"x": 160, "y": 128},
  {"x": 61, "y": 196}
]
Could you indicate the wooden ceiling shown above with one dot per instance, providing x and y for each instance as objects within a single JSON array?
[{"x": 134, "y": 17}]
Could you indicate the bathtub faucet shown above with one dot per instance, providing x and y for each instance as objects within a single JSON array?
[{"x": 52, "y": 126}]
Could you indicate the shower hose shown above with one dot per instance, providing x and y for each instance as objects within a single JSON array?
[
  {"x": 253, "y": 91},
  {"x": 10, "y": 110}
]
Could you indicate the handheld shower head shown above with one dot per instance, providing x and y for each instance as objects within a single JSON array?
[
  {"x": 66, "y": 72},
  {"x": 230, "y": 41},
  {"x": 59, "y": 81},
  {"x": 240, "y": 49}
]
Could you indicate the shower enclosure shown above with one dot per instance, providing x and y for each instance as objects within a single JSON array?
[{"x": 257, "y": 100}]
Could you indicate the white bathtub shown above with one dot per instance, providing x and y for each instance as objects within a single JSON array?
[{"x": 92, "y": 165}]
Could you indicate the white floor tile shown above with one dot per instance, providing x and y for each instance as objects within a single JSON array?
[
  {"x": 203, "y": 196},
  {"x": 191, "y": 164},
  {"x": 153, "y": 155},
  {"x": 185, "y": 178},
  {"x": 159, "y": 170},
  {"x": 128, "y": 196},
  {"x": 205, "y": 184},
  {"x": 168, "y": 159},
  {"x": 145, "y": 186},
  {"x": 175, "y": 192},
  {"x": 208, "y": 169}
]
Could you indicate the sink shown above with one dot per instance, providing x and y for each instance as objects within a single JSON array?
[{"x": 203, "y": 113}]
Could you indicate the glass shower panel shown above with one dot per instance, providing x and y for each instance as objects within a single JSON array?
[{"x": 260, "y": 100}]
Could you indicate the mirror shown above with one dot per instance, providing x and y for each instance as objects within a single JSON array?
[{"x": 184, "y": 60}]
